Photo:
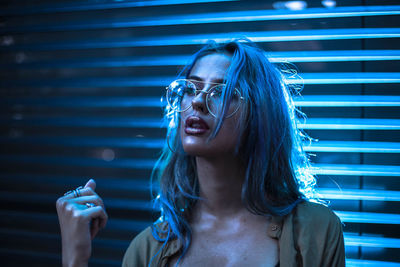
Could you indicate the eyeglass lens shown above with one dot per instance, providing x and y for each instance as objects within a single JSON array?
[{"x": 180, "y": 95}]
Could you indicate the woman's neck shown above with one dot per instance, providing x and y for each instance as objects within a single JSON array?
[{"x": 220, "y": 181}]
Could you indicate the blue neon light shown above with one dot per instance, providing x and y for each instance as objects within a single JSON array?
[
  {"x": 196, "y": 39},
  {"x": 353, "y": 147},
  {"x": 347, "y": 78},
  {"x": 220, "y": 17},
  {"x": 350, "y": 124},
  {"x": 369, "y": 263},
  {"x": 128, "y": 102},
  {"x": 312, "y": 123},
  {"x": 360, "y": 194},
  {"x": 146, "y": 143},
  {"x": 334, "y": 55},
  {"x": 371, "y": 241},
  {"x": 181, "y": 60},
  {"x": 347, "y": 101},
  {"x": 157, "y": 143},
  {"x": 65, "y": 7},
  {"x": 355, "y": 170},
  {"x": 144, "y": 164},
  {"x": 368, "y": 217},
  {"x": 162, "y": 81}
]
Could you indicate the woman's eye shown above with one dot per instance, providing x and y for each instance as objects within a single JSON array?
[
  {"x": 189, "y": 90},
  {"x": 217, "y": 92},
  {"x": 235, "y": 96}
]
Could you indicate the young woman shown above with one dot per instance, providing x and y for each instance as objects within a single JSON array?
[{"x": 234, "y": 183}]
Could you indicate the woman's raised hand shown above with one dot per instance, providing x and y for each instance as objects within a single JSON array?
[{"x": 81, "y": 215}]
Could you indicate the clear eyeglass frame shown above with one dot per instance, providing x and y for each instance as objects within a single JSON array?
[{"x": 198, "y": 91}]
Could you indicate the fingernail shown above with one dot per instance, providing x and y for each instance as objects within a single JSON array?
[{"x": 88, "y": 182}]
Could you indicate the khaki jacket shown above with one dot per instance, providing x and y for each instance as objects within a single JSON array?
[{"x": 311, "y": 235}]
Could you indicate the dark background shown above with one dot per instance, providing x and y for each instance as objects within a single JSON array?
[{"x": 80, "y": 89}]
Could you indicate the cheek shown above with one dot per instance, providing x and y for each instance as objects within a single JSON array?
[{"x": 227, "y": 136}]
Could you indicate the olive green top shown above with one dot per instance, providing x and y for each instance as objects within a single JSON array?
[{"x": 311, "y": 235}]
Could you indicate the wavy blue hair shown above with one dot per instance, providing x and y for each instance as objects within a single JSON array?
[{"x": 270, "y": 145}]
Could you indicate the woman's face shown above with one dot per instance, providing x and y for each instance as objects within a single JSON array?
[{"x": 197, "y": 124}]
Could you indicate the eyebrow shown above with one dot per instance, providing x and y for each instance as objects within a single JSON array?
[{"x": 196, "y": 78}]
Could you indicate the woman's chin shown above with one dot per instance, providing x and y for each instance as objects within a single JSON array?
[{"x": 196, "y": 149}]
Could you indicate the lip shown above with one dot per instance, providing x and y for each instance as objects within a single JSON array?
[{"x": 195, "y": 125}]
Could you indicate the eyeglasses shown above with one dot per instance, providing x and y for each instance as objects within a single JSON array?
[{"x": 180, "y": 94}]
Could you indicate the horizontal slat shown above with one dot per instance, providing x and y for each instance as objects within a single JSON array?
[
  {"x": 49, "y": 221},
  {"x": 98, "y": 82},
  {"x": 205, "y": 18},
  {"x": 88, "y": 122},
  {"x": 158, "y": 143},
  {"x": 370, "y": 263},
  {"x": 371, "y": 241},
  {"x": 129, "y": 102},
  {"x": 196, "y": 39},
  {"x": 350, "y": 124},
  {"x": 146, "y": 164},
  {"x": 18, "y": 256},
  {"x": 43, "y": 198},
  {"x": 85, "y": 6},
  {"x": 145, "y": 143},
  {"x": 368, "y": 217},
  {"x": 111, "y": 245},
  {"x": 320, "y": 169},
  {"x": 348, "y": 101},
  {"x": 311, "y": 123},
  {"x": 347, "y": 78},
  {"x": 60, "y": 181},
  {"x": 334, "y": 55},
  {"x": 85, "y": 102},
  {"x": 162, "y": 81},
  {"x": 355, "y": 169},
  {"x": 360, "y": 194},
  {"x": 353, "y": 147},
  {"x": 179, "y": 60}
]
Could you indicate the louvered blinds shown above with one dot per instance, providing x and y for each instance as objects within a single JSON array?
[{"x": 81, "y": 83}]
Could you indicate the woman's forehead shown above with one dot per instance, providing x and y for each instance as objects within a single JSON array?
[{"x": 211, "y": 68}]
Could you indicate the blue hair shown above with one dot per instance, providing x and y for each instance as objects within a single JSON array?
[{"x": 270, "y": 145}]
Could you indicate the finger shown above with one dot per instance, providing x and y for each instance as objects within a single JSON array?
[
  {"x": 72, "y": 193},
  {"x": 95, "y": 212},
  {"x": 89, "y": 199},
  {"x": 87, "y": 191},
  {"x": 91, "y": 183},
  {"x": 89, "y": 187},
  {"x": 98, "y": 218}
]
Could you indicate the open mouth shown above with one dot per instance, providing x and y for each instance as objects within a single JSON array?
[{"x": 195, "y": 125}]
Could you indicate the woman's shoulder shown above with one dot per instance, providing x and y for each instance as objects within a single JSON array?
[
  {"x": 316, "y": 214},
  {"x": 318, "y": 234},
  {"x": 316, "y": 225},
  {"x": 146, "y": 250},
  {"x": 143, "y": 245},
  {"x": 308, "y": 208}
]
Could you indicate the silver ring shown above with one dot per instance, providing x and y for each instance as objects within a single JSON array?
[
  {"x": 77, "y": 192},
  {"x": 90, "y": 205},
  {"x": 67, "y": 193}
]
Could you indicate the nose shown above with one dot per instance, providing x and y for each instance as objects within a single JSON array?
[{"x": 199, "y": 102}]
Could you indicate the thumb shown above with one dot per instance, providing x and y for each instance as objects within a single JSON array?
[{"x": 91, "y": 183}]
